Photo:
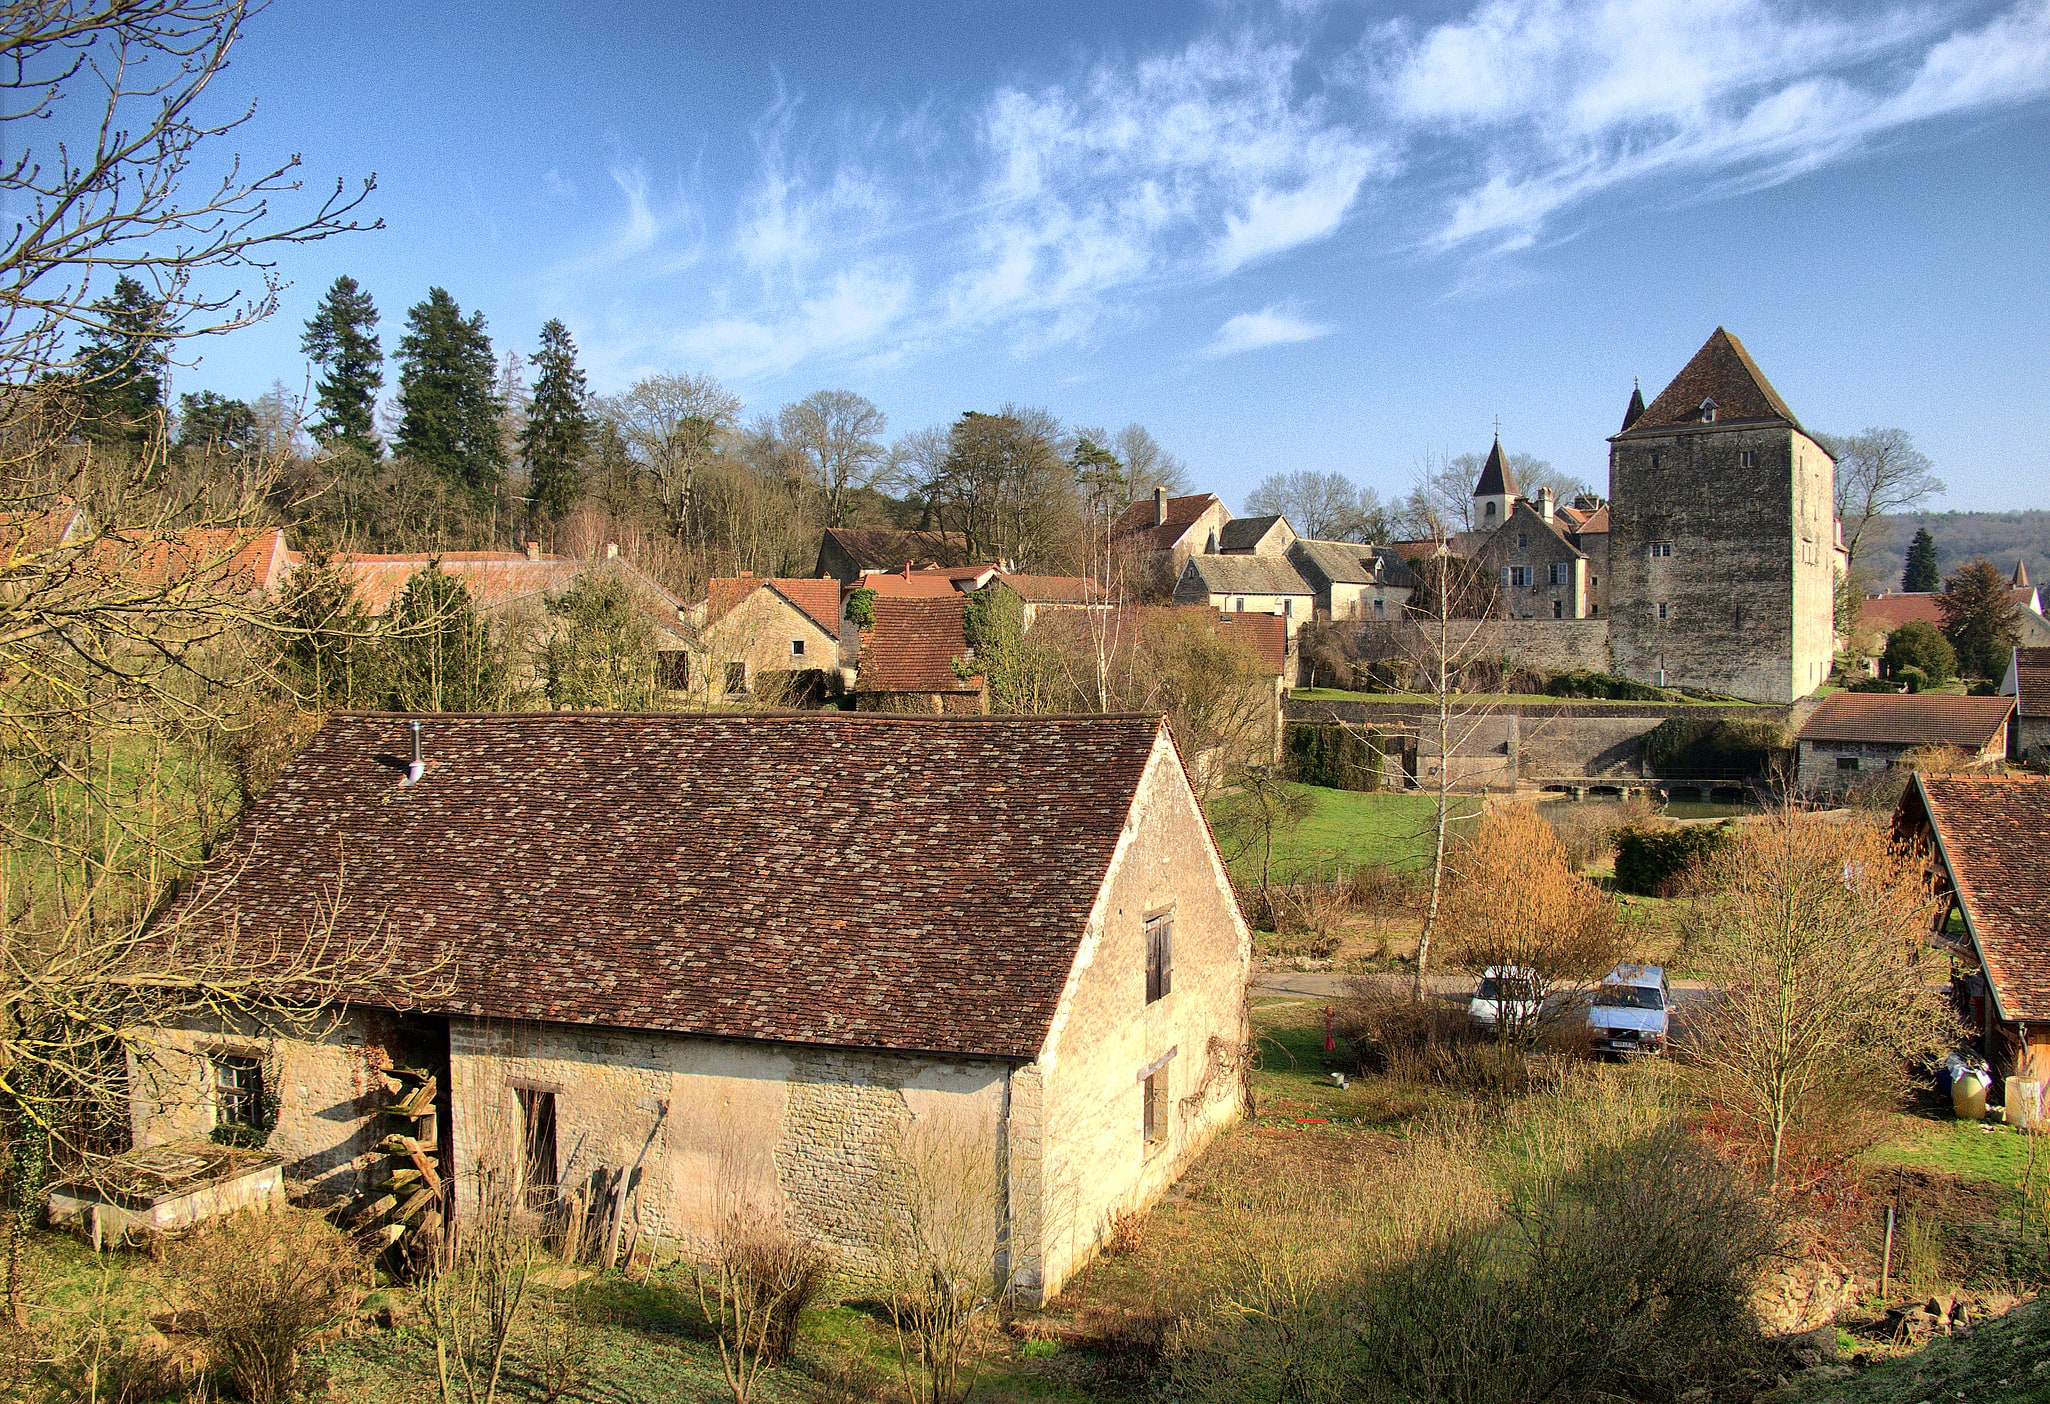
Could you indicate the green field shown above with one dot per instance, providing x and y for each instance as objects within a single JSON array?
[
  {"x": 1344, "y": 831},
  {"x": 1488, "y": 699}
]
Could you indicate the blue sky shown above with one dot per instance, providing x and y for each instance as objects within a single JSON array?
[{"x": 1336, "y": 236}]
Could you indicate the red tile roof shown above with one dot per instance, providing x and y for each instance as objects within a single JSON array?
[
  {"x": 847, "y": 879},
  {"x": 1994, "y": 838},
  {"x": 887, "y": 548},
  {"x": 245, "y": 560},
  {"x": 1723, "y": 371},
  {"x": 1134, "y": 526},
  {"x": 2032, "y": 679},
  {"x": 1265, "y": 634},
  {"x": 1888, "y": 611},
  {"x": 1908, "y": 719},
  {"x": 913, "y": 646},
  {"x": 917, "y": 585},
  {"x": 1054, "y": 589},
  {"x": 819, "y": 600},
  {"x": 493, "y": 578}
]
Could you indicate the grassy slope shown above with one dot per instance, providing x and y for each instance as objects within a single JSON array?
[
  {"x": 2006, "y": 1361},
  {"x": 1344, "y": 830}
]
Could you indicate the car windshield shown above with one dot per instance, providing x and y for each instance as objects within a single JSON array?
[
  {"x": 1629, "y": 997},
  {"x": 1508, "y": 988}
]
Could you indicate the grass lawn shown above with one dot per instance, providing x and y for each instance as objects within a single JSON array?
[
  {"x": 1345, "y": 830},
  {"x": 1473, "y": 699},
  {"x": 1984, "y": 1151}
]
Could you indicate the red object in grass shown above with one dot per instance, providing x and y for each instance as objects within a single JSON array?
[{"x": 1330, "y": 1043}]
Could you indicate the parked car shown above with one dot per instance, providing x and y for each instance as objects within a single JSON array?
[
  {"x": 1631, "y": 1011},
  {"x": 1506, "y": 992}
]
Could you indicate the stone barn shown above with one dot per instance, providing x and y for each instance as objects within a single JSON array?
[
  {"x": 742, "y": 955},
  {"x": 1854, "y": 736}
]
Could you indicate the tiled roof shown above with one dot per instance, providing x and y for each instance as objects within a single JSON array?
[
  {"x": 1054, "y": 589},
  {"x": 1995, "y": 840},
  {"x": 917, "y": 585},
  {"x": 886, "y": 548},
  {"x": 1134, "y": 525},
  {"x": 1248, "y": 575},
  {"x": 913, "y": 645},
  {"x": 1496, "y": 478},
  {"x": 1244, "y": 533},
  {"x": 247, "y": 560},
  {"x": 1888, "y": 611},
  {"x": 1265, "y": 634},
  {"x": 2032, "y": 679},
  {"x": 835, "y": 878},
  {"x": 1595, "y": 523},
  {"x": 818, "y": 600},
  {"x": 1339, "y": 562},
  {"x": 1723, "y": 371},
  {"x": 1908, "y": 719}
]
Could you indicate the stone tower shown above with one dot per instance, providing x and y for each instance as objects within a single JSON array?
[
  {"x": 1722, "y": 539},
  {"x": 1495, "y": 494}
]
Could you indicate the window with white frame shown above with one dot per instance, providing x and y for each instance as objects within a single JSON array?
[
  {"x": 1662, "y": 611},
  {"x": 1661, "y": 550},
  {"x": 797, "y": 648}
]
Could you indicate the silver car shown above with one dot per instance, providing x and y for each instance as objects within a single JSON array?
[{"x": 1631, "y": 1011}]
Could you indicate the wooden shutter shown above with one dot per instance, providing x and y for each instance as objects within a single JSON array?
[{"x": 1159, "y": 956}]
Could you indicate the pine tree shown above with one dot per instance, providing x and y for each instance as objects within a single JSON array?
[
  {"x": 1980, "y": 618},
  {"x": 122, "y": 363},
  {"x": 215, "y": 424},
  {"x": 342, "y": 340},
  {"x": 558, "y": 429},
  {"x": 1921, "y": 574},
  {"x": 444, "y": 656},
  {"x": 448, "y": 397}
]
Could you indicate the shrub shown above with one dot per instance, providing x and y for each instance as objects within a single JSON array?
[
  {"x": 1337, "y": 757},
  {"x": 263, "y": 1285},
  {"x": 1655, "y": 862},
  {"x": 1608, "y": 687},
  {"x": 1422, "y": 1040},
  {"x": 1712, "y": 747},
  {"x": 1912, "y": 678},
  {"x": 1872, "y": 685},
  {"x": 1916, "y": 644}
]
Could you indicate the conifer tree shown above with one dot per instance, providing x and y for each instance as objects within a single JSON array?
[
  {"x": 121, "y": 365},
  {"x": 1921, "y": 574},
  {"x": 558, "y": 428},
  {"x": 444, "y": 656},
  {"x": 341, "y": 338},
  {"x": 449, "y": 406},
  {"x": 1980, "y": 618}
]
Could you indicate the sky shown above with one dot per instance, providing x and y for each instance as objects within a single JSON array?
[{"x": 1332, "y": 236}]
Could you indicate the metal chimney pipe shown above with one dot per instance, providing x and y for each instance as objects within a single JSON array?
[{"x": 417, "y": 767}]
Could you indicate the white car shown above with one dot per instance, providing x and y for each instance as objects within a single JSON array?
[
  {"x": 1506, "y": 992},
  {"x": 1631, "y": 1011}
]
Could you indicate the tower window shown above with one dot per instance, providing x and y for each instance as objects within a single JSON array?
[
  {"x": 1660, "y": 550},
  {"x": 1522, "y": 539},
  {"x": 1748, "y": 459},
  {"x": 1558, "y": 609},
  {"x": 1708, "y": 411},
  {"x": 1654, "y": 458},
  {"x": 1662, "y": 611},
  {"x": 1491, "y": 509}
]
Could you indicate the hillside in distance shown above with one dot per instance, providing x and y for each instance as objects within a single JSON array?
[{"x": 2001, "y": 537}]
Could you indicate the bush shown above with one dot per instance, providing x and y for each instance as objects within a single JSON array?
[
  {"x": 1587, "y": 829},
  {"x": 1712, "y": 747},
  {"x": 1916, "y": 644},
  {"x": 1912, "y": 678},
  {"x": 1872, "y": 685},
  {"x": 1607, "y": 687},
  {"x": 1337, "y": 757},
  {"x": 263, "y": 1285},
  {"x": 1655, "y": 862},
  {"x": 1423, "y": 1040}
]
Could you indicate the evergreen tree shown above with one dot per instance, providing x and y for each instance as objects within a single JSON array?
[
  {"x": 215, "y": 423},
  {"x": 601, "y": 649},
  {"x": 342, "y": 340},
  {"x": 330, "y": 653},
  {"x": 558, "y": 429},
  {"x": 122, "y": 363},
  {"x": 443, "y": 657},
  {"x": 1980, "y": 618},
  {"x": 449, "y": 406},
  {"x": 1921, "y": 574}
]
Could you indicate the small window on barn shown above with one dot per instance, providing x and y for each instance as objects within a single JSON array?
[
  {"x": 238, "y": 1090},
  {"x": 1846, "y": 762},
  {"x": 672, "y": 666},
  {"x": 736, "y": 678},
  {"x": 1156, "y": 1108},
  {"x": 537, "y": 1143},
  {"x": 1159, "y": 955},
  {"x": 1662, "y": 611},
  {"x": 1747, "y": 459},
  {"x": 1558, "y": 609},
  {"x": 797, "y": 648}
]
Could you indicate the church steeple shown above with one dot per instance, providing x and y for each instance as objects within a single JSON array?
[
  {"x": 1495, "y": 494},
  {"x": 2021, "y": 574},
  {"x": 1636, "y": 410}
]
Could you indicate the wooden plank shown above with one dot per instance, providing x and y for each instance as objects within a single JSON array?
[
  {"x": 425, "y": 1166},
  {"x": 374, "y": 1210},
  {"x": 618, "y": 1212},
  {"x": 419, "y": 1200}
]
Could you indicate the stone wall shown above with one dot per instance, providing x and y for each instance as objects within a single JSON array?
[
  {"x": 1542, "y": 645},
  {"x": 757, "y": 634},
  {"x": 1088, "y": 1086},
  {"x": 1818, "y": 772}
]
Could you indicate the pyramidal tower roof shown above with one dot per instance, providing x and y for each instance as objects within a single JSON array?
[
  {"x": 1721, "y": 385},
  {"x": 2021, "y": 574},
  {"x": 1636, "y": 410},
  {"x": 1496, "y": 478}
]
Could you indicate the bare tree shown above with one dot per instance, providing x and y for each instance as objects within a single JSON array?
[
  {"x": 1877, "y": 471},
  {"x": 1817, "y": 950},
  {"x": 671, "y": 426},
  {"x": 947, "y": 1259},
  {"x": 836, "y": 435},
  {"x": 477, "y": 1293},
  {"x": 1322, "y": 506},
  {"x": 1147, "y": 464}
]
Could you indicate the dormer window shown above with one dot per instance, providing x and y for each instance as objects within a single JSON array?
[{"x": 1708, "y": 411}]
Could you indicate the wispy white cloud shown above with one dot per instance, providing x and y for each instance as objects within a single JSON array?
[{"x": 1270, "y": 326}]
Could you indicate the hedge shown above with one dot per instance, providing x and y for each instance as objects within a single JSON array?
[
  {"x": 1711, "y": 748},
  {"x": 1336, "y": 757},
  {"x": 1607, "y": 687},
  {"x": 1652, "y": 862}
]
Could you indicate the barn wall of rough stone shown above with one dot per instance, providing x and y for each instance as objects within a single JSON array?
[
  {"x": 1088, "y": 1092},
  {"x": 805, "y": 1133}
]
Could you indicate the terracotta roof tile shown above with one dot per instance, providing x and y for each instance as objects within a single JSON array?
[
  {"x": 1908, "y": 719},
  {"x": 249, "y": 560},
  {"x": 1054, "y": 589},
  {"x": 1723, "y": 371},
  {"x": 832, "y": 878},
  {"x": 918, "y": 585},
  {"x": 819, "y": 600},
  {"x": 886, "y": 548},
  {"x": 1995, "y": 839},
  {"x": 1891, "y": 609},
  {"x": 1134, "y": 526},
  {"x": 913, "y": 645}
]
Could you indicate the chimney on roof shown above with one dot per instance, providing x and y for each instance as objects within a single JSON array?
[
  {"x": 416, "y": 767},
  {"x": 1159, "y": 506},
  {"x": 1545, "y": 504},
  {"x": 907, "y": 570},
  {"x": 533, "y": 550},
  {"x": 612, "y": 550}
]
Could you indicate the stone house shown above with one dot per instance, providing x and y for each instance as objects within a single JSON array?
[
  {"x": 1987, "y": 844},
  {"x": 1353, "y": 581},
  {"x": 1886, "y": 611},
  {"x": 1038, "y": 593},
  {"x": 907, "y": 656},
  {"x": 766, "y": 637},
  {"x": 2028, "y": 683},
  {"x": 845, "y": 552},
  {"x": 1543, "y": 574},
  {"x": 745, "y": 956},
  {"x": 1854, "y": 736},
  {"x": 1587, "y": 529},
  {"x": 1156, "y": 535},
  {"x": 1248, "y": 585},
  {"x": 1256, "y": 536},
  {"x": 1723, "y": 539}
]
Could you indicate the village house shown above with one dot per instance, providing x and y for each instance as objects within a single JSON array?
[
  {"x": 1256, "y": 536},
  {"x": 2028, "y": 683},
  {"x": 846, "y": 552},
  {"x": 740, "y": 956},
  {"x": 771, "y": 639},
  {"x": 1353, "y": 581},
  {"x": 1156, "y": 535},
  {"x": 1250, "y": 585},
  {"x": 1543, "y": 574},
  {"x": 1853, "y": 736},
  {"x": 1886, "y": 611},
  {"x": 1987, "y": 842},
  {"x": 1037, "y": 593},
  {"x": 907, "y": 656}
]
